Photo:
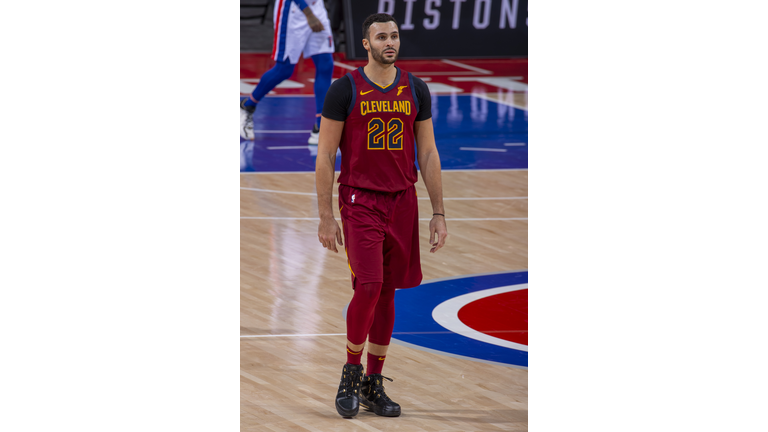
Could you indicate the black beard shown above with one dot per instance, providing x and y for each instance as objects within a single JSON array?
[{"x": 379, "y": 56}]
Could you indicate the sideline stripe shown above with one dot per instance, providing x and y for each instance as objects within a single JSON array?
[
  {"x": 481, "y": 198},
  {"x": 304, "y": 147},
  {"x": 444, "y": 170},
  {"x": 344, "y": 66},
  {"x": 465, "y": 66},
  {"x": 502, "y": 102},
  {"x": 277, "y": 191},
  {"x": 471, "y": 275},
  {"x": 420, "y": 198},
  {"x": 445, "y": 353},
  {"x": 293, "y": 335},
  {"x": 421, "y": 219},
  {"x": 344, "y": 334},
  {"x": 482, "y": 170},
  {"x": 283, "y": 131},
  {"x": 482, "y": 149}
]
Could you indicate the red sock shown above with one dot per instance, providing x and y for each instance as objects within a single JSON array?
[
  {"x": 354, "y": 357},
  {"x": 375, "y": 364}
]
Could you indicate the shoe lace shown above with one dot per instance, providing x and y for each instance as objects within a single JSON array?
[
  {"x": 350, "y": 382},
  {"x": 377, "y": 387}
]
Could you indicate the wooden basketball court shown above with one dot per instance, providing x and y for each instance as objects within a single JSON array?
[{"x": 293, "y": 294}]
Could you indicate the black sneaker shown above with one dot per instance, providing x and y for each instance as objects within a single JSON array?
[
  {"x": 375, "y": 399},
  {"x": 348, "y": 397}
]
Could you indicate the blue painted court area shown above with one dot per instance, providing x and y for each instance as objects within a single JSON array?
[
  {"x": 416, "y": 327},
  {"x": 471, "y": 133}
]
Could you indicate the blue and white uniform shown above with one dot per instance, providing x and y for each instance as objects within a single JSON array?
[{"x": 294, "y": 36}]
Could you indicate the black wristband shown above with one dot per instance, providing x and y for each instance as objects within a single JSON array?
[{"x": 438, "y": 214}]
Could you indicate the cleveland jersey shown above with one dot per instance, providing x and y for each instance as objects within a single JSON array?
[{"x": 377, "y": 143}]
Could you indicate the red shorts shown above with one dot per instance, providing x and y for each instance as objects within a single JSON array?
[{"x": 381, "y": 235}]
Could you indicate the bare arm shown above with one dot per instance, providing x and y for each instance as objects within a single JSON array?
[
  {"x": 328, "y": 142},
  {"x": 429, "y": 162},
  {"x": 312, "y": 20}
]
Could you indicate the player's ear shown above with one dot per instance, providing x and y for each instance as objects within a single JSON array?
[{"x": 365, "y": 44}]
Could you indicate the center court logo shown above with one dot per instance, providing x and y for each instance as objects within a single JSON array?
[{"x": 477, "y": 317}]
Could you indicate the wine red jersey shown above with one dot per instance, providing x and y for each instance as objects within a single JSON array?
[{"x": 377, "y": 143}]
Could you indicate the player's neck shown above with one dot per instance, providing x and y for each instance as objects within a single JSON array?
[{"x": 382, "y": 74}]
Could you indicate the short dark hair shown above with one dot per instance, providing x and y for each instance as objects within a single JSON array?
[{"x": 377, "y": 18}]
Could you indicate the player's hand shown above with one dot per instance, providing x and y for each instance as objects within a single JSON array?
[
  {"x": 328, "y": 233},
  {"x": 313, "y": 21},
  {"x": 437, "y": 228}
]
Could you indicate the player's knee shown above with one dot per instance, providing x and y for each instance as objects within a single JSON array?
[
  {"x": 284, "y": 70},
  {"x": 369, "y": 292}
]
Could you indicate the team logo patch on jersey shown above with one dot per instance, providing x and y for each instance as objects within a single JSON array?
[{"x": 400, "y": 89}]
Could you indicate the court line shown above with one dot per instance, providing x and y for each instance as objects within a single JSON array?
[
  {"x": 282, "y": 95},
  {"x": 503, "y": 102},
  {"x": 465, "y": 66},
  {"x": 479, "y": 198},
  {"x": 444, "y": 170},
  {"x": 420, "y": 198},
  {"x": 434, "y": 351},
  {"x": 472, "y": 70},
  {"x": 419, "y": 74},
  {"x": 515, "y": 144},
  {"x": 421, "y": 219},
  {"x": 482, "y": 149},
  {"x": 304, "y": 147},
  {"x": 277, "y": 191},
  {"x": 293, "y": 335},
  {"x": 344, "y": 66},
  {"x": 282, "y": 131},
  {"x": 471, "y": 275},
  {"x": 395, "y": 333},
  {"x": 476, "y": 219}
]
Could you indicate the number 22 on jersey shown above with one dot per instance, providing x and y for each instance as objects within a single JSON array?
[{"x": 378, "y": 134}]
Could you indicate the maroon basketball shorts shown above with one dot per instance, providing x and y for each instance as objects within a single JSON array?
[{"x": 381, "y": 235}]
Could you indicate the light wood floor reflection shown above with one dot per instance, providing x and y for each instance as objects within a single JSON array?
[{"x": 293, "y": 293}]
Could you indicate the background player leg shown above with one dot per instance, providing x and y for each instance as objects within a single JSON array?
[
  {"x": 280, "y": 72},
  {"x": 323, "y": 72}
]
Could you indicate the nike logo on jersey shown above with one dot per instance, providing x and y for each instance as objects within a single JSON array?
[
  {"x": 362, "y": 93},
  {"x": 381, "y": 358},
  {"x": 400, "y": 89}
]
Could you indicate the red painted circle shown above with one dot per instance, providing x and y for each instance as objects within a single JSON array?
[{"x": 504, "y": 316}]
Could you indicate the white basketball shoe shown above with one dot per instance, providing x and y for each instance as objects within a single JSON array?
[
  {"x": 246, "y": 121},
  {"x": 314, "y": 136}
]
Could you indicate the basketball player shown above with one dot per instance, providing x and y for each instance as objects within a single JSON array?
[
  {"x": 374, "y": 114},
  {"x": 299, "y": 28}
]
